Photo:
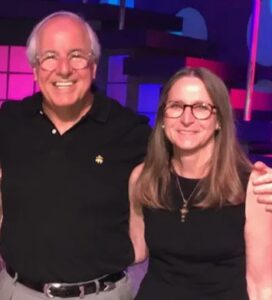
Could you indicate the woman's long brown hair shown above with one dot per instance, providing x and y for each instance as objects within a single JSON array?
[{"x": 223, "y": 183}]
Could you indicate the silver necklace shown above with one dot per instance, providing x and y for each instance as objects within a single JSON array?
[{"x": 184, "y": 208}]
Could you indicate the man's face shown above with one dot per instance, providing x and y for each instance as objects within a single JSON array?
[{"x": 64, "y": 38}]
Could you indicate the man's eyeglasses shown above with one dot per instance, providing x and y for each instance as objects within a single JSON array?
[
  {"x": 77, "y": 60},
  {"x": 201, "y": 110}
]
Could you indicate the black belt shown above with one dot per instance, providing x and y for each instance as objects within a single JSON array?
[{"x": 65, "y": 290}]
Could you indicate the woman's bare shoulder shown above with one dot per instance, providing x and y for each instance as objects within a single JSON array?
[{"x": 136, "y": 172}]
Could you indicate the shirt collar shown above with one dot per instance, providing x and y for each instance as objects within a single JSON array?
[
  {"x": 99, "y": 111},
  {"x": 33, "y": 104}
]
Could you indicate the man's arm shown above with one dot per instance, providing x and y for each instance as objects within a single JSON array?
[{"x": 258, "y": 240}]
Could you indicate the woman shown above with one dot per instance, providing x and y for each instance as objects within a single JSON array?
[{"x": 188, "y": 197}]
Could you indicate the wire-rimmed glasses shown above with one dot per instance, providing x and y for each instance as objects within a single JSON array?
[{"x": 77, "y": 59}]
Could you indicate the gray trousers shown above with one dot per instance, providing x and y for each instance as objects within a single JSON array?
[{"x": 12, "y": 290}]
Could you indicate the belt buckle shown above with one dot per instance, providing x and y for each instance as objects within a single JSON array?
[
  {"x": 109, "y": 286},
  {"x": 47, "y": 289},
  {"x": 48, "y": 286}
]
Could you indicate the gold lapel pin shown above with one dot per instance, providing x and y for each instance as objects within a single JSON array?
[{"x": 99, "y": 159}]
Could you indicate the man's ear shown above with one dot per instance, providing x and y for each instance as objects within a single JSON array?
[
  {"x": 35, "y": 75},
  {"x": 94, "y": 68}
]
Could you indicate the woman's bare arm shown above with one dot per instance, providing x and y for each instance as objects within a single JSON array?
[{"x": 136, "y": 221}]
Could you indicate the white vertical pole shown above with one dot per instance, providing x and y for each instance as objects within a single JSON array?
[
  {"x": 122, "y": 14},
  {"x": 252, "y": 60}
]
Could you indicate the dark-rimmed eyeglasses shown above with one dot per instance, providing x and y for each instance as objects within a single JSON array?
[
  {"x": 200, "y": 110},
  {"x": 78, "y": 60}
]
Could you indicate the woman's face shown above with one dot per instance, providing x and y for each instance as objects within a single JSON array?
[{"x": 188, "y": 134}]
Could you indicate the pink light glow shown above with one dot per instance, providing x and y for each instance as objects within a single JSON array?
[
  {"x": 220, "y": 69},
  {"x": 20, "y": 86},
  {"x": 262, "y": 101},
  {"x": 3, "y": 86},
  {"x": 18, "y": 60},
  {"x": 4, "y": 58}
]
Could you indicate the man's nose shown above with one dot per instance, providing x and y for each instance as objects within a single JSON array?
[{"x": 64, "y": 67}]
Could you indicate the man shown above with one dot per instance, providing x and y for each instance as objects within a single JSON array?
[{"x": 66, "y": 154}]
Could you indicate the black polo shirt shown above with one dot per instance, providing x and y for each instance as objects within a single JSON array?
[{"x": 65, "y": 198}]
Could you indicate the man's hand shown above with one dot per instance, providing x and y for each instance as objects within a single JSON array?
[{"x": 262, "y": 183}]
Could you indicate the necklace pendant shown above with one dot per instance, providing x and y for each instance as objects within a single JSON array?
[
  {"x": 184, "y": 209},
  {"x": 183, "y": 213}
]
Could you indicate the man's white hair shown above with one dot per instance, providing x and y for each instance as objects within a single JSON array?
[{"x": 31, "y": 47}]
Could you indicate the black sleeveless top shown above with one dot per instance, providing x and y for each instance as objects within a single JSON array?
[{"x": 200, "y": 259}]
